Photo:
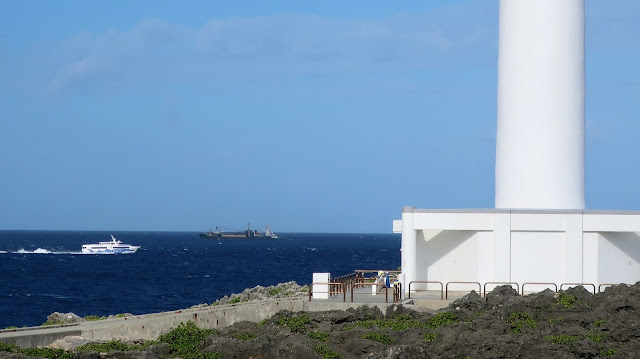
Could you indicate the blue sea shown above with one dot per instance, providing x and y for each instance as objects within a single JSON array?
[{"x": 43, "y": 271}]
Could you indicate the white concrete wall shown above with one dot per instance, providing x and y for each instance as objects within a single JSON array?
[
  {"x": 618, "y": 258},
  {"x": 537, "y": 257},
  {"x": 520, "y": 246},
  {"x": 453, "y": 256}
]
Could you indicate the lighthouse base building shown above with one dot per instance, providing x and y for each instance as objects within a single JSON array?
[
  {"x": 518, "y": 246},
  {"x": 539, "y": 231}
]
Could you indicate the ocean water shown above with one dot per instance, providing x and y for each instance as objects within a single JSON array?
[{"x": 43, "y": 271}]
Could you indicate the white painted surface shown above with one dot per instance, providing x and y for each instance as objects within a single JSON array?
[
  {"x": 619, "y": 258},
  {"x": 408, "y": 250},
  {"x": 537, "y": 257},
  {"x": 541, "y": 94},
  {"x": 321, "y": 291},
  {"x": 397, "y": 226},
  {"x": 542, "y": 246}
]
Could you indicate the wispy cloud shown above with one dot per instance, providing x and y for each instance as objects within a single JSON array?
[{"x": 156, "y": 50}]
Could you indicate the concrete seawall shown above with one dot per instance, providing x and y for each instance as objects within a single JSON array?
[{"x": 150, "y": 326}]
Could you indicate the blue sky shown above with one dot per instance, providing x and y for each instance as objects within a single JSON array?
[{"x": 306, "y": 116}]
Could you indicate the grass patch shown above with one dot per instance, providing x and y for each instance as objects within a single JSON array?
[
  {"x": 11, "y": 327},
  {"x": 238, "y": 300},
  {"x": 403, "y": 321},
  {"x": 244, "y": 336},
  {"x": 430, "y": 337},
  {"x": 46, "y": 353},
  {"x": 6, "y": 347},
  {"x": 379, "y": 337},
  {"x": 442, "y": 319},
  {"x": 562, "y": 339},
  {"x": 52, "y": 322},
  {"x": 596, "y": 337},
  {"x": 320, "y": 336},
  {"x": 296, "y": 324},
  {"x": 567, "y": 301},
  {"x": 114, "y": 345},
  {"x": 91, "y": 318},
  {"x": 275, "y": 290},
  {"x": 599, "y": 323},
  {"x": 262, "y": 323},
  {"x": 186, "y": 340},
  {"x": 520, "y": 320},
  {"x": 326, "y": 353},
  {"x": 609, "y": 352}
]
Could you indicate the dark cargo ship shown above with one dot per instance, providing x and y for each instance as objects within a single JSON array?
[{"x": 248, "y": 233}]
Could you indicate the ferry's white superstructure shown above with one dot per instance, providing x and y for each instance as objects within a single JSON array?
[{"x": 112, "y": 247}]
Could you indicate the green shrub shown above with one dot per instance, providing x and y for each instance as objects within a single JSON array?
[
  {"x": 519, "y": 320},
  {"x": 596, "y": 337},
  {"x": 320, "y": 336},
  {"x": 236, "y": 300},
  {"x": 609, "y": 352},
  {"x": 185, "y": 341},
  {"x": 326, "y": 353},
  {"x": 11, "y": 327},
  {"x": 430, "y": 336},
  {"x": 599, "y": 323},
  {"x": 441, "y": 319},
  {"x": 275, "y": 290},
  {"x": 379, "y": 337},
  {"x": 114, "y": 345},
  {"x": 244, "y": 336},
  {"x": 562, "y": 339},
  {"x": 6, "y": 347},
  {"x": 296, "y": 324},
  {"x": 262, "y": 323},
  {"x": 46, "y": 353},
  {"x": 91, "y": 318},
  {"x": 567, "y": 301},
  {"x": 52, "y": 322}
]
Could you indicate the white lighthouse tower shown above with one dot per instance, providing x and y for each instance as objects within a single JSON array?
[
  {"x": 541, "y": 95},
  {"x": 539, "y": 231}
]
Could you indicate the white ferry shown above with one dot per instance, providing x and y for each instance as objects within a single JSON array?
[{"x": 112, "y": 247}]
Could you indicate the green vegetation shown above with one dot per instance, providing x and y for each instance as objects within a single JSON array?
[
  {"x": 114, "y": 345},
  {"x": 430, "y": 336},
  {"x": 11, "y": 327},
  {"x": 120, "y": 315},
  {"x": 186, "y": 340},
  {"x": 326, "y": 353},
  {"x": 596, "y": 337},
  {"x": 36, "y": 352},
  {"x": 403, "y": 322},
  {"x": 91, "y": 318},
  {"x": 567, "y": 301},
  {"x": 52, "y": 322},
  {"x": 519, "y": 320},
  {"x": 442, "y": 319},
  {"x": 562, "y": 339},
  {"x": 244, "y": 336},
  {"x": 5, "y": 347},
  {"x": 553, "y": 320},
  {"x": 599, "y": 323},
  {"x": 609, "y": 352},
  {"x": 379, "y": 337},
  {"x": 275, "y": 290},
  {"x": 296, "y": 324},
  {"x": 238, "y": 300},
  {"x": 320, "y": 336},
  {"x": 262, "y": 323}
]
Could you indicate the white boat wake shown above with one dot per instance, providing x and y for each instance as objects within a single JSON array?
[{"x": 40, "y": 251}]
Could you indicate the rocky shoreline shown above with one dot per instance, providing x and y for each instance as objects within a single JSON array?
[{"x": 571, "y": 324}]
